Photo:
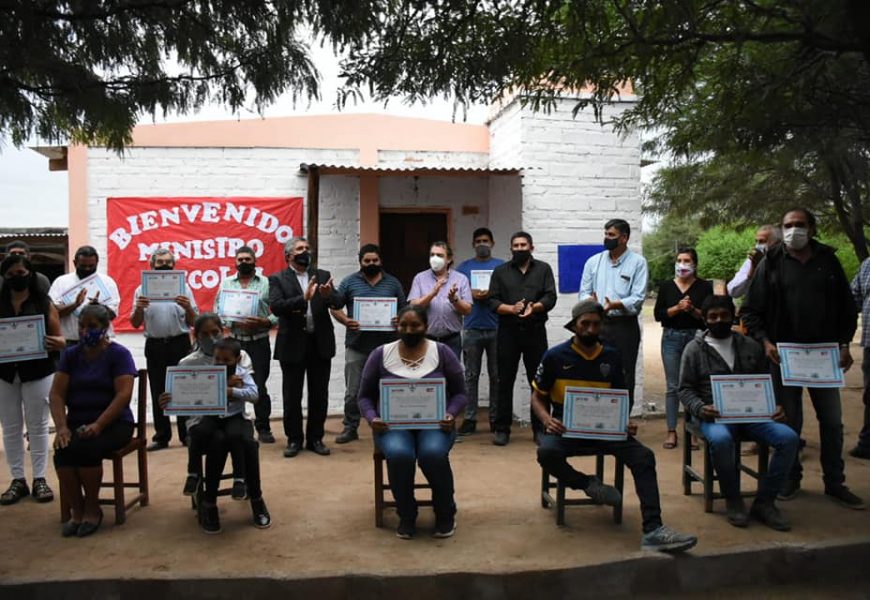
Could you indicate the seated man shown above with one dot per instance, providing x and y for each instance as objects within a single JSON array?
[
  {"x": 720, "y": 351},
  {"x": 584, "y": 362}
]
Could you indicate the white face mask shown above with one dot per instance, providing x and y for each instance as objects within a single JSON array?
[
  {"x": 761, "y": 248},
  {"x": 437, "y": 263},
  {"x": 796, "y": 238},
  {"x": 683, "y": 270}
]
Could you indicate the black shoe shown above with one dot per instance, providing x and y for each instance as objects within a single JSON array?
[
  {"x": 789, "y": 490},
  {"x": 768, "y": 513},
  {"x": 318, "y": 447},
  {"x": 292, "y": 449},
  {"x": 348, "y": 435},
  {"x": 844, "y": 496},
  {"x": 406, "y": 530},
  {"x": 468, "y": 427},
  {"x": 86, "y": 529},
  {"x": 155, "y": 446},
  {"x": 70, "y": 529},
  {"x": 40, "y": 490},
  {"x": 190, "y": 485},
  {"x": 859, "y": 452},
  {"x": 265, "y": 437},
  {"x": 17, "y": 490},
  {"x": 736, "y": 512},
  {"x": 239, "y": 491},
  {"x": 262, "y": 519},
  {"x": 444, "y": 528},
  {"x": 211, "y": 520},
  {"x": 501, "y": 438}
]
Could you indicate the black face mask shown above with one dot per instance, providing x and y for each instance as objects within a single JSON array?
[
  {"x": 371, "y": 270},
  {"x": 411, "y": 340},
  {"x": 519, "y": 257},
  {"x": 163, "y": 268},
  {"x": 83, "y": 272},
  {"x": 19, "y": 283},
  {"x": 720, "y": 329},
  {"x": 246, "y": 268},
  {"x": 588, "y": 339},
  {"x": 611, "y": 243},
  {"x": 303, "y": 260},
  {"x": 483, "y": 251}
]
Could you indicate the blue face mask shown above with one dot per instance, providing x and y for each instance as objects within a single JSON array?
[{"x": 92, "y": 337}]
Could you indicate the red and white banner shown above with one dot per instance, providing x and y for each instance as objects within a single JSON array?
[{"x": 202, "y": 233}]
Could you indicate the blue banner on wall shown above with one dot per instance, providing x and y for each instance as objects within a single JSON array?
[{"x": 572, "y": 257}]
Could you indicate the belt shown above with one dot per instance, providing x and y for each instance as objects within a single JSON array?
[
  {"x": 167, "y": 340},
  {"x": 443, "y": 338},
  {"x": 251, "y": 338}
]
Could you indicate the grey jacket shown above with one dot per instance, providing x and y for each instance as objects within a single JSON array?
[{"x": 700, "y": 361}]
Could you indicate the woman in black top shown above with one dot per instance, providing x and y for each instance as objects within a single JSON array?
[
  {"x": 24, "y": 384},
  {"x": 678, "y": 309}
]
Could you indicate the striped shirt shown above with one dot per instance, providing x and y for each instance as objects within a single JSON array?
[
  {"x": 356, "y": 285},
  {"x": 257, "y": 283}
]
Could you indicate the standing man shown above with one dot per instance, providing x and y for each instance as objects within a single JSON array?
[
  {"x": 22, "y": 248},
  {"x": 521, "y": 293},
  {"x": 800, "y": 294},
  {"x": 85, "y": 261},
  {"x": 617, "y": 278},
  {"x": 300, "y": 297},
  {"x": 766, "y": 238},
  {"x": 446, "y": 296},
  {"x": 167, "y": 341},
  {"x": 861, "y": 292},
  {"x": 479, "y": 332},
  {"x": 253, "y": 333},
  {"x": 369, "y": 282}
]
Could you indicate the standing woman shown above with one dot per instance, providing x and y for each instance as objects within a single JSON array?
[
  {"x": 414, "y": 357},
  {"x": 90, "y": 405},
  {"x": 678, "y": 309},
  {"x": 24, "y": 385}
]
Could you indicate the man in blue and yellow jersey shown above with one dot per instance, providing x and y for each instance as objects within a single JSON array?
[{"x": 583, "y": 361}]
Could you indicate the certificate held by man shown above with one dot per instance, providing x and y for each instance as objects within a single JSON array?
[
  {"x": 595, "y": 413},
  {"x": 94, "y": 288},
  {"x": 810, "y": 365},
  {"x": 238, "y": 304},
  {"x": 375, "y": 314},
  {"x": 197, "y": 390},
  {"x": 480, "y": 280},
  {"x": 413, "y": 403},
  {"x": 743, "y": 398},
  {"x": 22, "y": 338},
  {"x": 163, "y": 285}
]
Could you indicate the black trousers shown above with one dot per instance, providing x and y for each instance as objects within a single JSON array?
[
  {"x": 623, "y": 333},
  {"x": 528, "y": 341},
  {"x": 261, "y": 358},
  {"x": 317, "y": 369},
  {"x": 159, "y": 355},
  {"x": 215, "y": 440},
  {"x": 236, "y": 431}
]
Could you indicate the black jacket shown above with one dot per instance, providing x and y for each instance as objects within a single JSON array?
[{"x": 287, "y": 302}]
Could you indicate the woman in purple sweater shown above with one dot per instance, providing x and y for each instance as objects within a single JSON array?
[{"x": 414, "y": 357}]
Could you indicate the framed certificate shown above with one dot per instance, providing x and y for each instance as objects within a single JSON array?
[
  {"x": 22, "y": 338},
  {"x": 413, "y": 403},
  {"x": 163, "y": 285},
  {"x": 93, "y": 286},
  {"x": 743, "y": 398},
  {"x": 197, "y": 390},
  {"x": 238, "y": 304},
  {"x": 375, "y": 314},
  {"x": 480, "y": 280},
  {"x": 595, "y": 413},
  {"x": 811, "y": 365}
]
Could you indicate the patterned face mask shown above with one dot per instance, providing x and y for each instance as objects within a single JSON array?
[{"x": 92, "y": 337}]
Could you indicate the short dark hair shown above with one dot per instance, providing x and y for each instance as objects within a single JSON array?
[
  {"x": 17, "y": 244},
  {"x": 231, "y": 344},
  {"x": 522, "y": 234},
  {"x": 717, "y": 301},
  {"x": 417, "y": 309},
  {"x": 482, "y": 231},
  {"x": 86, "y": 252},
  {"x": 811, "y": 218},
  {"x": 368, "y": 249},
  {"x": 204, "y": 318},
  {"x": 445, "y": 245},
  {"x": 621, "y": 225},
  {"x": 246, "y": 250},
  {"x": 690, "y": 251}
]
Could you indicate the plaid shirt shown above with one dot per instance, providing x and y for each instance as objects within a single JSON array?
[
  {"x": 861, "y": 292},
  {"x": 258, "y": 283}
]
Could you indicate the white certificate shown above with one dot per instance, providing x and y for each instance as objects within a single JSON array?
[
  {"x": 22, "y": 338},
  {"x": 94, "y": 288},
  {"x": 413, "y": 403},
  {"x": 163, "y": 285},
  {"x": 375, "y": 314},
  {"x": 595, "y": 413},
  {"x": 197, "y": 390},
  {"x": 743, "y": 398},
  {"x": 480, "y": 280},
  {"x": 810, "y": 365},
  {"x": 238, "y": 304}
]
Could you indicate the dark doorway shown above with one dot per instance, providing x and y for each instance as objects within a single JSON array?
[{"x": 405, "y": 241}]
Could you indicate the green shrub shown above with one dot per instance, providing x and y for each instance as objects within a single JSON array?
[{"x": 722, "y": 250}]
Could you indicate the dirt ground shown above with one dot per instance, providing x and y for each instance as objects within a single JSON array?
[{"x": 323, "y": 515}]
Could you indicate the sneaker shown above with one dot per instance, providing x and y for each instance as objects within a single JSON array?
[
  {"x": 406, "y": 529},
  {"x": 240, "y": 491},
  {"x": 191, "y": 484},
  {"x": 262, "y": 519},
  {"x": 768, "y": 513},
  {"x": 40, "y": 490},
  {"x": 602, "y": 493},
  {"x": 736, "y": 512},
  {"x": 665, "y": 539},
  {"x": 501, "y": 438},
  {"x": 444, "y": 528},
  {"x": 211, "y": 521},
  {"x": 265, "y": 437},
  {"x": 844, "y": 496},
  {"x": 348, "y": 435},
  {"x": 860, "y": 452},
  {"x": 468, "y": 427},
  {"x": 789, "y": 490},
  {"x": 17, "y": 490}
]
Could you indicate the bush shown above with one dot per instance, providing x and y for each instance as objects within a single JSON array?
[{"x": 722, "y": 250}]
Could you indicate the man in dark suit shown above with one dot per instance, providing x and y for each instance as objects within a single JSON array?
[{"x": 300, "y": 296}]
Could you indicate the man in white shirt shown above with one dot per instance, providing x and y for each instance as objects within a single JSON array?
[{"x": 766, "y": 237}]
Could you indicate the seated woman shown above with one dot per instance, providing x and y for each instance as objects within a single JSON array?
[
  {"x": 24, "y": 384},
  {"x": 413, "y": 357},
  {"x": 90, "y": 405}
]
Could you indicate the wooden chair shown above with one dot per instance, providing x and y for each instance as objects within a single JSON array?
[
  {"x": 382, "y": 486},
  {"x": 548, "y": 482},
  {"x": 707, "y": 477}
]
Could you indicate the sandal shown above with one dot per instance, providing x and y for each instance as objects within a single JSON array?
[
  {"x": 670, "y": 444},
  {"x": 40, "y": 491},
  {"x": 17, "y": 490}
]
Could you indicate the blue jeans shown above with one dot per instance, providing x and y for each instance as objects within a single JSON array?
[
  {"x": 778, "y": 436},
  {"x": 431, "y": 448},
  {"x": 474, "y": 343},
  {"x": 673, "y": 343}
]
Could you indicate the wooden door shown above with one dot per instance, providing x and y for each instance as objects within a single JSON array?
[{"x": 405, "y": 241}]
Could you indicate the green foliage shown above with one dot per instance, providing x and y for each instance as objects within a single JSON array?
[{"x": 721, "y": 251}]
